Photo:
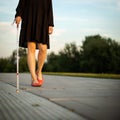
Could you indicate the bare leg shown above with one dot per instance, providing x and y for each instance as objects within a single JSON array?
[
  {"x": 41, "y": 58},
  {"x": 31, "y": 59}
]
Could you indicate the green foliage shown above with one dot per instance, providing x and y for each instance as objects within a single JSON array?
[
  {"x": 23, "y": 64},
  {"x": 54, "y": 66},
  {"x": 4, "y": 64},
  {"x": 9, "y": 64},
  {"x": 69, "y": 58},
  {"x": 100, "y": 55},
  {"x": 66, "y": 61},
  {"x": 96, "y": 55}
]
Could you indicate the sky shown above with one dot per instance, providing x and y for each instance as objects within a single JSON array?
[{"x": 73, "y": 19}]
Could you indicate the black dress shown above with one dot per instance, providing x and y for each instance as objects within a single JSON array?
[{"x": 37, "y": 16}]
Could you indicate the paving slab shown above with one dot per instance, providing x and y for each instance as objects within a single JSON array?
[
  {"x": 91, "y": 98},
  {"x": 24, "y": 105}
]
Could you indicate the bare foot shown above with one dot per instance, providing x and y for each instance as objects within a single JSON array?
[
  {"x": 35, "y": 81},
  {"x": 39, "y": 75}
]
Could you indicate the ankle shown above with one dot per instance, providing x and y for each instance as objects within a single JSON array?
[
  {"x": 34, "y": 81},
  {"x": 34, "y": 78},
  {"x": 39, "y": 75}
]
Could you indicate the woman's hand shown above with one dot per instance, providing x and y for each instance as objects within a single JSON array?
[
  {"x": 50, "y": 30},
  {"x": 18, "y": 20}
]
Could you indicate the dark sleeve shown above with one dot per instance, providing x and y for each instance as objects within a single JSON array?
[
  {"x": 50, "y": 14},
  {"x": 20, "y": 8}
]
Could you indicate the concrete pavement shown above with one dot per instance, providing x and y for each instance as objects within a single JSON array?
[{"x": 88, "y": 98}]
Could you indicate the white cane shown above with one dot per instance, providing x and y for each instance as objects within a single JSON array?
[{"x": 17, "y": 66}]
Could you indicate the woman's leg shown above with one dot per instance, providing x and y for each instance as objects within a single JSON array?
[
  {"x": 31, "y": 59},
  {"x": 41, "y": 59}
]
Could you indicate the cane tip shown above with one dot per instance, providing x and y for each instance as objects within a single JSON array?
[{"x": 17, "y": 91}]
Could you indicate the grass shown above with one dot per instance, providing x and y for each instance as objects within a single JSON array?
[{"x": 92, "y": 75}]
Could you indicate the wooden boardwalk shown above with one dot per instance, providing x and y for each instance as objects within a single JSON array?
[{"x": 64, "y": 98}]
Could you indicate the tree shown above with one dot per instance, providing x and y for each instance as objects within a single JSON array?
[
  {"x": 9, "y": 64},
  {"x": 114, "y": 56},
  {"x": 67, "y": 60},
  {"x": 97, "y": 53},
  {"x": 23, "y": 64},
  {"x": 52, "y": 63}
]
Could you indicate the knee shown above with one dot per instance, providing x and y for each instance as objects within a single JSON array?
[
  {"x": 32, "y": 51},
  {"x": 31, "y": 48},
  {"x": 43, "y": 48}
]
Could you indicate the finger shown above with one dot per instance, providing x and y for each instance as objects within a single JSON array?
[
  {"x": 17, "y": 25},
  {"x": 50, "y": 32}
]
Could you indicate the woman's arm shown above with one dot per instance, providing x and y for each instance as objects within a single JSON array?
[
  {"x": 20, "y": 8},
  {"x": 19, "y": 12},
  {"x": 50, "y": 18},
  {"x": 50, "y": 14}
]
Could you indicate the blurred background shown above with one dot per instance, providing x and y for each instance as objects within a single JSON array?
[{"x": 86, "y": 37}]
